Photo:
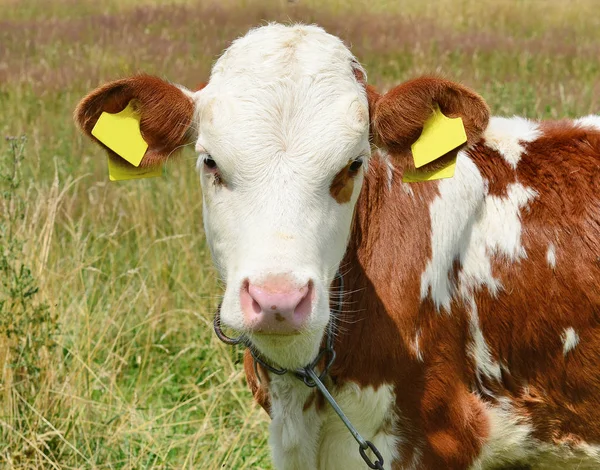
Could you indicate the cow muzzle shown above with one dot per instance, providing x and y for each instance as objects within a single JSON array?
[{"x": 278, "y": 305}]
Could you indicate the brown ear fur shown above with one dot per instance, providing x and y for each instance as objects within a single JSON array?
[
  {"x": 373, "y": 98},
  {"x": 166, "y": 114},
  {"x": 397, "y": 117}
]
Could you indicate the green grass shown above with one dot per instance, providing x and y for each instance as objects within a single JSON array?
[{"x": 126, "y": 372}]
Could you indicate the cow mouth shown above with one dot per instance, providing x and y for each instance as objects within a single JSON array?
[
  {"x": 274, "y": 334},
  {"x": 290, "y": 348}
]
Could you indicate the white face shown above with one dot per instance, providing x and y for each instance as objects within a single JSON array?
[{"x": 283, "y": 129}]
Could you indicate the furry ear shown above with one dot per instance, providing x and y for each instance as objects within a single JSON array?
[
  {"x": 397, "y": 117},
  {"x": 167, "y": 112}
]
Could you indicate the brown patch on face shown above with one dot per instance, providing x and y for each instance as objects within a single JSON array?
[
  {"x": 166, "y": 114},
  {"x": 217, "y": 179},
  {"x": 279, "y": 317},
  {"x": 342, "y": 185}
]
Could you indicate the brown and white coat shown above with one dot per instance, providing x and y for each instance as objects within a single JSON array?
[{"x": 469, "y": 337}]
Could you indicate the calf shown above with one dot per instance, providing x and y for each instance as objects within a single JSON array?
[{"x": 468, "y": 335}]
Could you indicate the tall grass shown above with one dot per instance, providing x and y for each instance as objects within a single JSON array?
[{"x": 111, "y": 361}]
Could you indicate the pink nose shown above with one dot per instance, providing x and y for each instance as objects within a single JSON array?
[{"x": 276, "y": 306}]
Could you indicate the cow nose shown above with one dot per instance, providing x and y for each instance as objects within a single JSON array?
[{"x": 277, "y": 305}]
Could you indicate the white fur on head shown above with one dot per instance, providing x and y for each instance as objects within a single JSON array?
[{"x": 282, "y": 114}]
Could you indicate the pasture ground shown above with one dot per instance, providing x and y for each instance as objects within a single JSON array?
[{"x": 107, "y": 357}]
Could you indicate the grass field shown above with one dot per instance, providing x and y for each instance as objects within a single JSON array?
[{"x": 107, "y": 357}]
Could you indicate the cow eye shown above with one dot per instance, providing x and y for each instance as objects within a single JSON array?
[
  {"x": 210, "y": 163},
  {"x": 355, "y": 165}
]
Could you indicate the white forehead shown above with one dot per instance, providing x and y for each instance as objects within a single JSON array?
[
  {"x": 277, "y": 51},
  {"x": 284, "y": 90}
]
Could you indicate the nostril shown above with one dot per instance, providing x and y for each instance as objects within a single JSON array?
[
  {"x": 248, "y": 300},
  {"x": 310, "y": 291},
  {"x": 277, "y": 304},
  {"x": 304, "y": 306},
  {"x": 277, "y": 296}
]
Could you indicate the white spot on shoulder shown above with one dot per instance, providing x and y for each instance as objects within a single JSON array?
[
  {"x": 592, "y": 121},
  {"x": 511, "y": 442},
  {"x": 505, "y": 135},
  {"x": 509, "y": 439},
  {"x": 452, "y": 213},
  {"x": 570, "y": 340},
  {"x": 496, "y": 230},
  {"x": 467, "y": 225},
  {"x": 479, "y": 349},
  {"x": 417, "y": 345},
  {"x": 551, "y": 255},
  {"x": 371, "y": 411}
]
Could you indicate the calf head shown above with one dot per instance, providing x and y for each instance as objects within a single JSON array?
[{"x": 283, "y": 130}]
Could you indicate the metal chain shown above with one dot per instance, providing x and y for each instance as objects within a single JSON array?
[
  {"x": 363, "y": 444},
  {"x": 308, "y": 374},
  {"x": 219, "y": 332}
]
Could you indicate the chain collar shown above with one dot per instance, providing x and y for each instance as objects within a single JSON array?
[{"x": 308, "y": 374}]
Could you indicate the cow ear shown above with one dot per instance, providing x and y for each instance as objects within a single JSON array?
[
  {"x": 166, "y": 113},
  {"x": 397, "y": 117}
]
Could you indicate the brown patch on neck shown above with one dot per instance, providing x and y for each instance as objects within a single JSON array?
[
  {"x": 317, "y": 399},
  {"x": 494, "y": 169},
  {"x": 382, "y": 291},
  {"x": 342, "y": 185},
  {"x": 389, "y": 248},
  {"x": 259, "y": 386}
]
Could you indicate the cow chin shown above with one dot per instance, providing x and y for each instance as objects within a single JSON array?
[
  {"x": 284, "y": 317},
  {"x": 288, "y": 351}
]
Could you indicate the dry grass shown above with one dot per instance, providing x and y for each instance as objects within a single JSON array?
[{"x": 136, "y": 379}]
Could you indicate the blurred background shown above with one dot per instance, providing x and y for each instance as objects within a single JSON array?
[{"x": 107, "y": 357}]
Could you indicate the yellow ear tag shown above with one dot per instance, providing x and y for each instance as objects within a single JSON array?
[
  {"x": 120, "y": 132},
  {"x": 417, "y": 176},
  {"x": 125, "y": 171},
  {"x": 440, "y": 135}
]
